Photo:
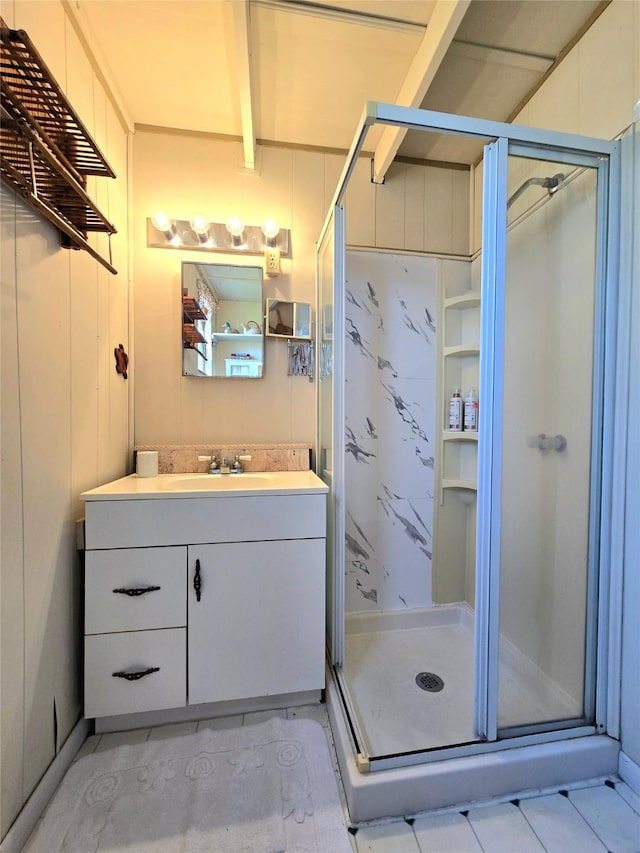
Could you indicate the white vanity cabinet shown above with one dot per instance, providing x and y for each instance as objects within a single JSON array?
[{"x": 193, "y": 598}]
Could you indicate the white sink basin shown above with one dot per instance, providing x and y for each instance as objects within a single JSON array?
[{"x": 221, "y": 482}]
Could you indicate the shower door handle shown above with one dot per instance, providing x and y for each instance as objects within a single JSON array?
[{"x": 547, "y": 442}]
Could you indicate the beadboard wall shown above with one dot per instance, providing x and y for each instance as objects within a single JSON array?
[
  {"x": 65, "y": 421},
  {"x": 418, "y": 208}
]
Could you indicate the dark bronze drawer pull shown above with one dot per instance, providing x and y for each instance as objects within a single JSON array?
[
  {"x": 136, "y": 590},
  {"x": 197, "y": 581},
  {"x": 134, "y": 676}
]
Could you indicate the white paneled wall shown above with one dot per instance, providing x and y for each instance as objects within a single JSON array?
[
  {"x": 65, "y": 422},
  {"x": 185, "y": 173},
  {"x": 594, "y": 89}
]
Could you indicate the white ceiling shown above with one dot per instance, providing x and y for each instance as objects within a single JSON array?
[{"x": 312, "y": 68}]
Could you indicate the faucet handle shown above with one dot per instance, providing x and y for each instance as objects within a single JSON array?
[
  {"x": 237, "y": 464},
  {"x": 244, "y": 457}
]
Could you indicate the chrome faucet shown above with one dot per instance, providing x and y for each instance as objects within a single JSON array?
[
  {"x": 237, "y": 467},
  {"x": 223, "y": 467}
]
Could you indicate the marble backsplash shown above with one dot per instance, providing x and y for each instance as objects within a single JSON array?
[{"x": 183, "y": 458}]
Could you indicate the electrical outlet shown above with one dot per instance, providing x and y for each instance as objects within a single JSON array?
[{"x": 272, "y": 261}]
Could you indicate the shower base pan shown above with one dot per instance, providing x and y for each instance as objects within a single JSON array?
[
  {"x": 409, "y": 780},
  {"x": 405, "y": 791}
]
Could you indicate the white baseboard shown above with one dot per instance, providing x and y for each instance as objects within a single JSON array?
[
  {"x": 33, "y": 809},
  {"x": 630, "y": 772},
  {"x": 146, "y": 719}
]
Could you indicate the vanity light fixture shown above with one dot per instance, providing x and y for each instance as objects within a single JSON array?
[
  {"x": 167, "y": 226},
  {"x": 235, "y": 227},
  {"x": 200, "y": 228},
  {"x": 230, "y": 236}
]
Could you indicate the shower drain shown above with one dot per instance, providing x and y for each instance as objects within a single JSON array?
[{"x": 429, "y": 681}]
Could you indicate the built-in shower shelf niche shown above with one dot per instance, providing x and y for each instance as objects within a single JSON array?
[
  {"x": 449, "y": 435},
  {"x": 457, "y": 463},
  {"x": 470, "y": 485},
  {"x": 462, "y": 351},
  {"x": 466, "y": 300}
]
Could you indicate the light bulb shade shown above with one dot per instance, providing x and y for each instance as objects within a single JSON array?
[
  {"x": 270, "y": 229},
  {"x": 235, "y": 226}
]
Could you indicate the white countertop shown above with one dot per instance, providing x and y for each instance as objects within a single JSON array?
[{"x": 251, "y": 483}]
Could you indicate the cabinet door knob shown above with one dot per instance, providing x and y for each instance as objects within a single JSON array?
[
  {"x": 197, "y": 581},
  {"x": 135, "y": 590},
  {"x": 134, "y": 676}
]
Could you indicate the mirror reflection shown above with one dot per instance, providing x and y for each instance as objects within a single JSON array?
[
  {"x": 222, "y": 331},
  {"x": 288, "y": 319}
]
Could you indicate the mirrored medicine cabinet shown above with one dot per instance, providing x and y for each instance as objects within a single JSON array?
[{"x": 222, "y": 321}]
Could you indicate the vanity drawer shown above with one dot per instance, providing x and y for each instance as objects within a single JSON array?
[
  {"x": 132, "y": 589},
  {"x": 134, "y": 652}
]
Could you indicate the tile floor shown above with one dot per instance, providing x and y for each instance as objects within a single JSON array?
[{"x": 601, "y": 816}]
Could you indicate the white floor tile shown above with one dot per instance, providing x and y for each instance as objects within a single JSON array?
[
  {"x": 387, "y": 838},
  {"x": 256, "y": 717},
  {"x": 503, "y": 829},
  {"x": 173, "y": 730},
  {"x": 629, "y": 795},
  {"x": 446, "y": 832},
  {"x": 87, "y": 747},
  {"x": 317, "y": 712},
  {"x": 610, "y": 816},
  {"x": 560, "y": 826},
  {"x": 31, "y": 837},
  {"x": 233, "y": 722},
  {"x": 113, "y": 739}
]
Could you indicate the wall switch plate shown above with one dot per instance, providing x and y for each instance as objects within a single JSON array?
[{"x": 272, "y": 262}]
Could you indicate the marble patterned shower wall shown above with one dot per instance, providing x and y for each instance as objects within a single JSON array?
[{"x": 390, "y": 403}]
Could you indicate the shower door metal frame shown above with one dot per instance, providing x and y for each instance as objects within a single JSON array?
[
  {"x": 598, "y": 693},
  {"x": 613, "y": 454},
  {"x": 334, "y": 227}
]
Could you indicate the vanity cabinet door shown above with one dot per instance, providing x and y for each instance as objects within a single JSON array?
[{"x": 258, "y": 628}]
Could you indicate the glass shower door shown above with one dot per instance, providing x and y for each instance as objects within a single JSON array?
[{"x": 544, "y": 594}]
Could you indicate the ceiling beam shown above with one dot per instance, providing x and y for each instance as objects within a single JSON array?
[
  {"x": 443, "y": 24},
  {"x": 242, "y": 31}
]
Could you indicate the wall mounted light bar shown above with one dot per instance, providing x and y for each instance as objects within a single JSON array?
[{"x": 232, "y": 236}]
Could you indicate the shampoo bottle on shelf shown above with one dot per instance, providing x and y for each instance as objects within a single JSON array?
[
  {"x": 471, "y": 411},
  {"x": 455, "y": 411}
]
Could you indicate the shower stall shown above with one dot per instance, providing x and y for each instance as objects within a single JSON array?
[{"x": 469, "y": 571}]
